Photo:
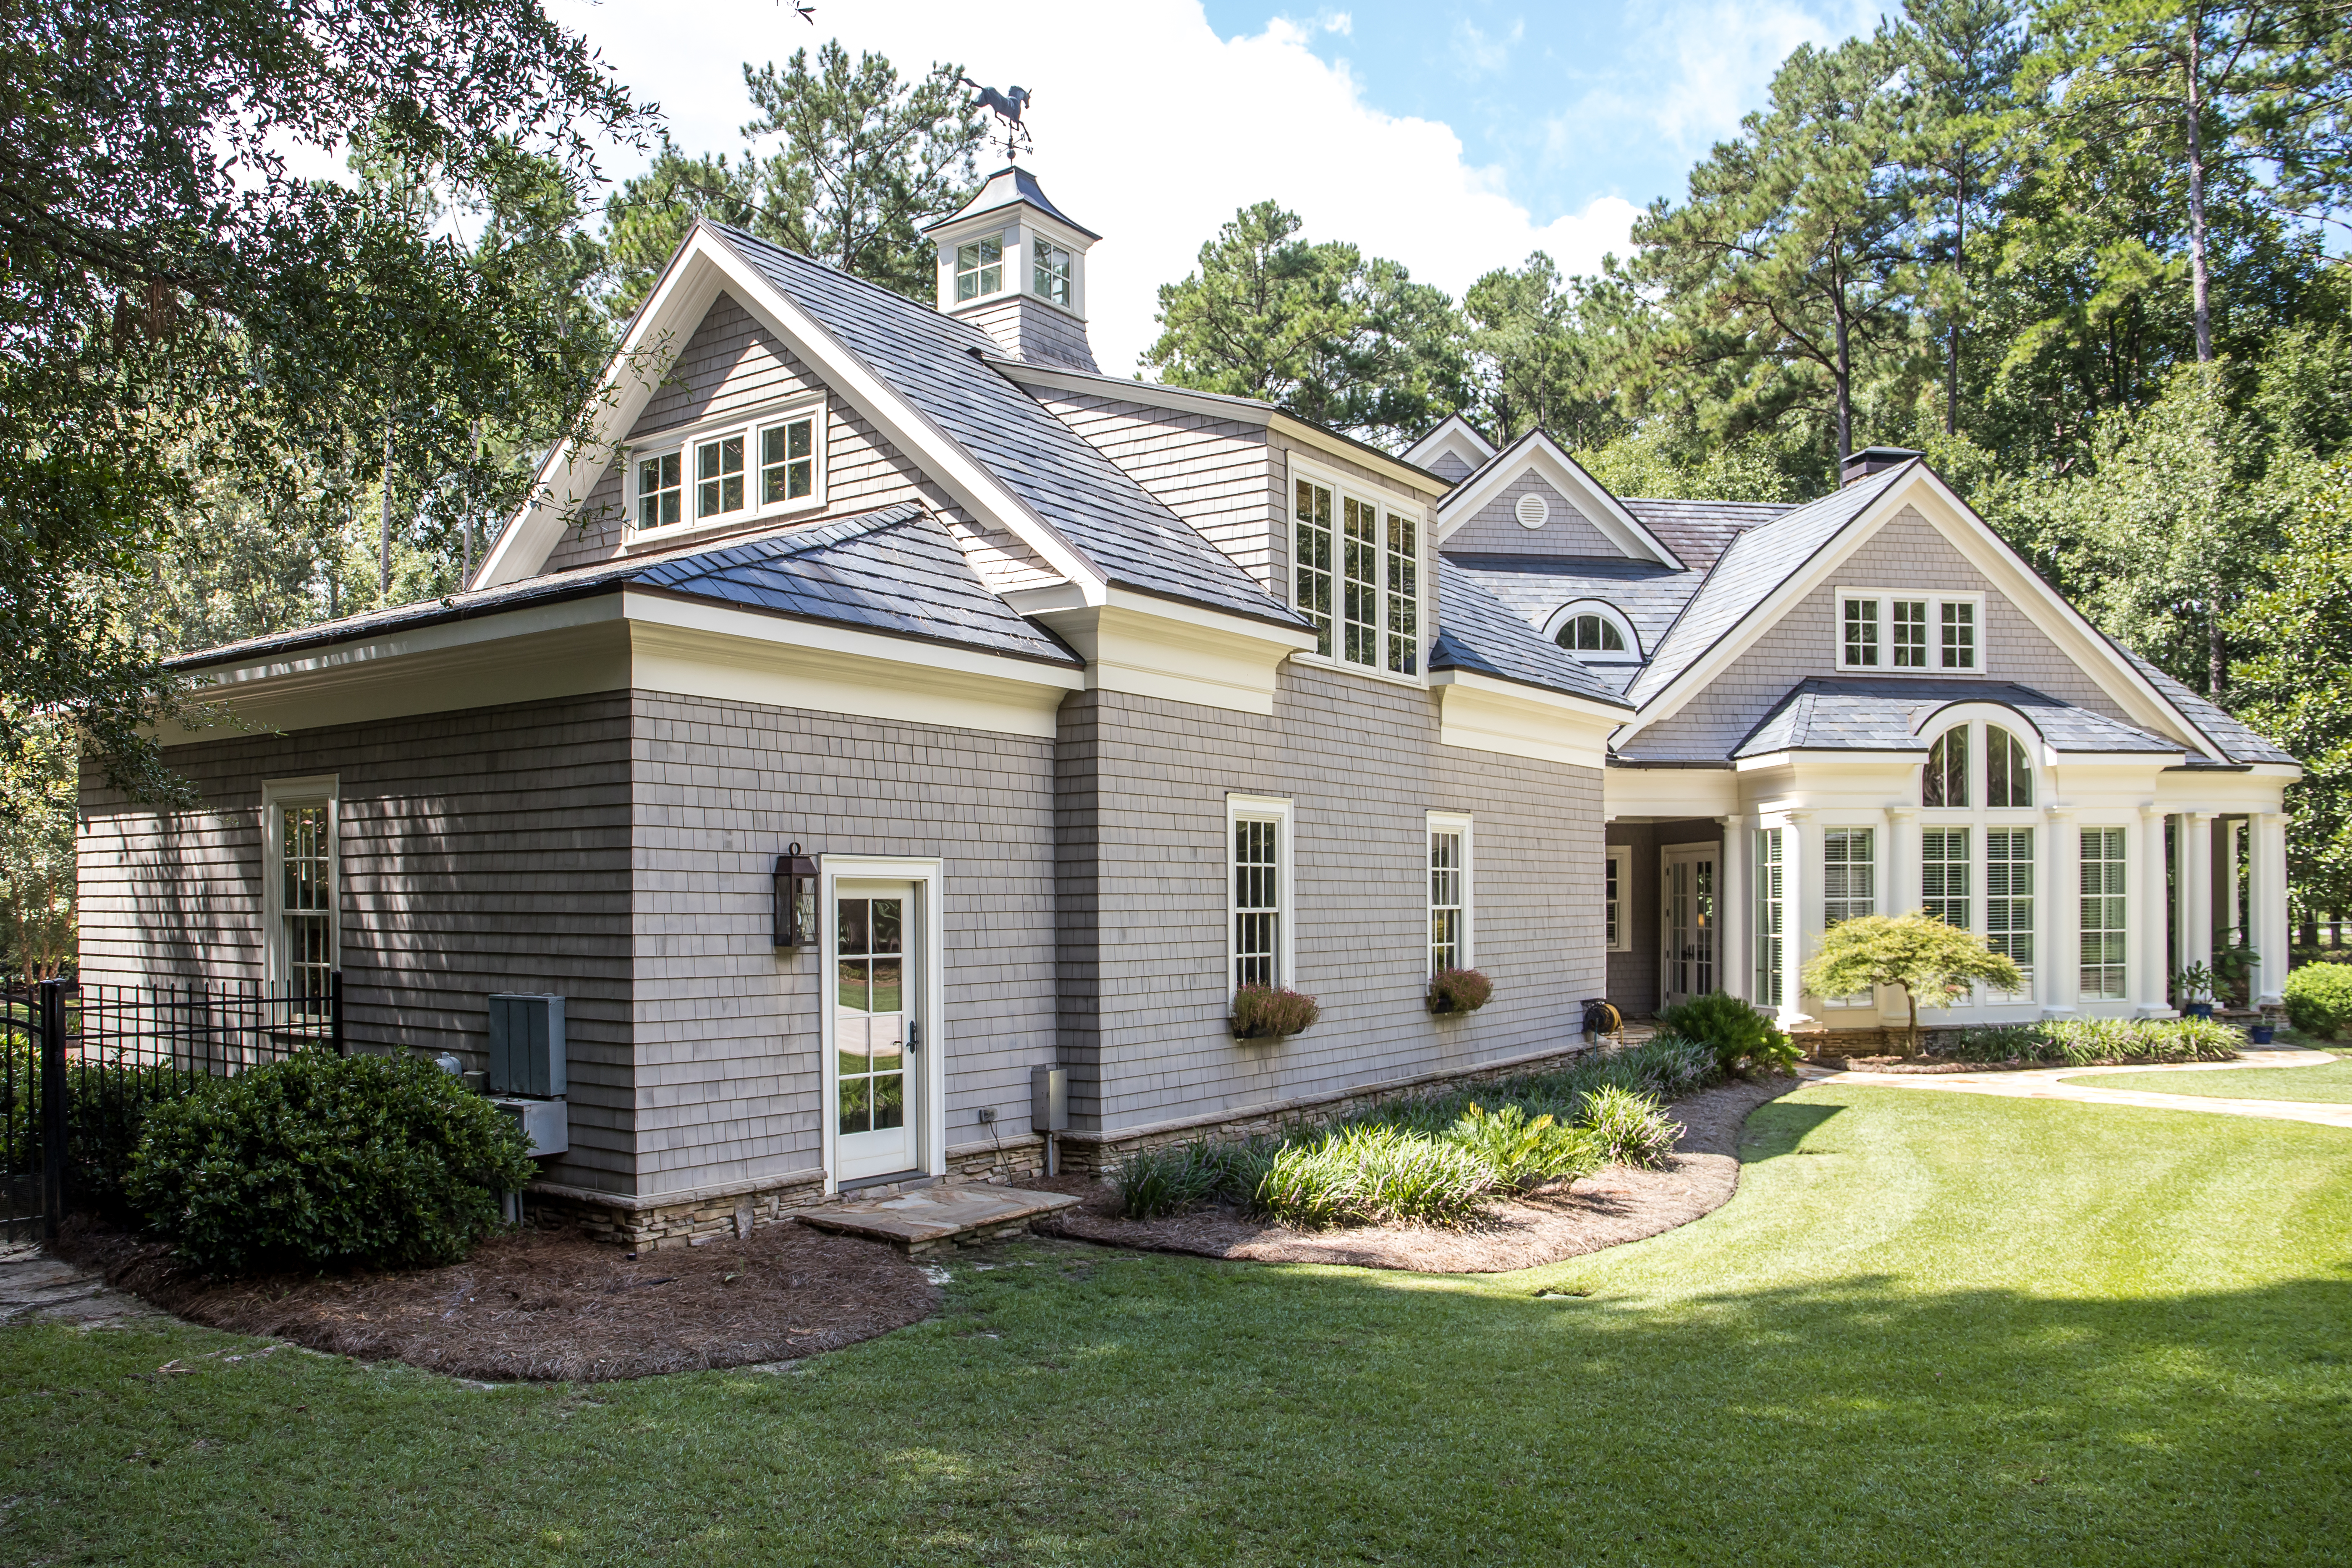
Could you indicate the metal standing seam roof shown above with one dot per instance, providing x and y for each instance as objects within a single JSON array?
[
  {"x": 1477, "y": 632},
  {"x": 1868, "y": 713},
  {"x": 935, "y": 362},
  {"x": 896, "y": 570}
]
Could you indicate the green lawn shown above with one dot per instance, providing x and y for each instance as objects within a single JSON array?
[
  {"x": 2329, "y": 1081},
  {"x": 1931, "y": 1328}
]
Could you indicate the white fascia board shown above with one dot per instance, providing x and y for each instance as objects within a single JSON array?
[
  {"x": 1154, "y": 648},
  {"x": 1452, "y": 434},
  {"x": 1668, "y": 794},
  {"x": 1150, "y": 394},
  {"x": 1806, "y": 756},
  {"x": 1566, "y": 475},
  {"x": 1477, "y": 712},
  {"x": 701, "y": 616},
  {"x": 1423, "y": 485}
]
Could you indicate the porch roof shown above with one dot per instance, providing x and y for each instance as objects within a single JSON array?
[{"x": 1862, "y": 713}]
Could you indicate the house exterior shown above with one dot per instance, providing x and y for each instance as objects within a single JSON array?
[{"x": 1093, "y": 700}]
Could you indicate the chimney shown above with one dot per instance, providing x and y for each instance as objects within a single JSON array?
[
  {"x": 1015, "y": 266},
  {"x": 1874, "y": 461}
]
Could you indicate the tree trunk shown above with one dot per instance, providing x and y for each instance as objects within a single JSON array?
[
  {"x": 1911, "y": 1041},
  {"x": 2216, "y": 652},
  {"x": 1844, "y": 386},
  {"x": 2198, "y": 278},
  {"x": 384, "y": 533},
  {"x": 1960, "y": 272}
]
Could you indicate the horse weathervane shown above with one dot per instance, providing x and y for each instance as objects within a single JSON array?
[{"x": 1008, "y": 105}]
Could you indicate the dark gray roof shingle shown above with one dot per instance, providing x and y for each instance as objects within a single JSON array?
[
  {"x": 1646, "y": 593},
  {"x": 933, "y": 361},
  {"x": 1699, "y": 531},
  {"x": 1833, "y": 713},
  {"x": 1479, "y": 634},
  {"x": 2239, "y": 743}
]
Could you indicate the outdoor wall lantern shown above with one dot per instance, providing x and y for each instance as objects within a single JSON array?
[{"x": 795, "y": 898}]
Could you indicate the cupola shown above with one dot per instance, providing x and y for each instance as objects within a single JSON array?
[{"x": 1015, "y": 266}]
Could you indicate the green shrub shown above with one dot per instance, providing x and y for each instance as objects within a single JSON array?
[
  {"x": 1629, "y": 1128},
  {"x": 106, "y": 1107},
  {"x": 2319, "y": 998},
  {"x": 1367, "y": 1173},
  {"x": 1737, "y": 1033},
  {"x": 2094, "y": 1042},
  {"x": 1524, "y": 1151},
  {"x": 1271, "y": 1012},
  {"x": 318, "y": 1160},
  {"x": 1459, "y": 991}
]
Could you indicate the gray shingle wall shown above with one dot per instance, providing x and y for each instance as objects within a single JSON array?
[
  {"x": 481, "y": 851},
  {"x": 1142, "y": 786},
  {"x": 1494, "y": 528},
  {"x": 1030, "y": 330},
  {"x": 1211, "y": 472},
  {"x": 726, "y": 1027},
  {"x": 1448, "y": 465},
  {"x": 1908, "y": 553}
]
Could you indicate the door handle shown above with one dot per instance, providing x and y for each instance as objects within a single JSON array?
[{"x": 914, "y": 1035}]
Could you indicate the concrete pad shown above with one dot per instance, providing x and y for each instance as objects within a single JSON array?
[
  {"x": 36, "y": 1286},
  {"x": 949, "y": 1215}
]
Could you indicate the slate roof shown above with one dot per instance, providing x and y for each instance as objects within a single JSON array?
[
  {"x": 935, "y": 362},
  {"x": 1648, "y": 595},
  {"x": 1756, "y": 562},
  {"x": 1479, "y": 633},
  {"x": 1874, "y": 714},
  {"x": 895, "y": 572},
  {"x": 1699, "y": 531},
  {"x": 2238, "y": 743},
  {"x": 1009, "y": 186}
]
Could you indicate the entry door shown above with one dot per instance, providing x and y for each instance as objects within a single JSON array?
[
  {"x": 876, "y": 1031},
  {"x": 1688, "y": 908}
]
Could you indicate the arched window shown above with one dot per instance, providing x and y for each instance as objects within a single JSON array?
[
  {"x": 1945, "y": 780},
  {"x": 2009, "y": 769},
  {"x": 1978, "y": 872},
  {"x": 1592, "y": 634}
]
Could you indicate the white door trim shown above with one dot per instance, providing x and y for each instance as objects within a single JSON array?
[
  {"x": 1695, "y": 850},
  {"x": 925, "y": 948}
]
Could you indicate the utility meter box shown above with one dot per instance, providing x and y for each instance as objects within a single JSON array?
[
  {"x": 546, "y": 1122},
  {"x": 527, "y": 1045},
  {"x": 1049, "y": 1100}
]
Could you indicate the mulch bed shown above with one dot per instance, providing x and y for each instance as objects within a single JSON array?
[
  {"x": 549, "y": 1305},
  {"x": 1619, "y": 1204}
]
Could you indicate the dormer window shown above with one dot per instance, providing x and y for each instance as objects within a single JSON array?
[
  {"x": 1910, "y": 632},
  {"x": 1051, "y": 275},
  {"x": 979, "y": 268},
  {"x": 1356, "y": 574},
  {"x": 1594, "y": 633},
  {"x": 660, "y": 492},
  {"x": 733, "y": 474}
]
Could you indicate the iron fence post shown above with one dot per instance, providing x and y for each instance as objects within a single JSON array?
[
  {"x": 53, "y": 1106},
  {"x": 335, "y": 1011}
]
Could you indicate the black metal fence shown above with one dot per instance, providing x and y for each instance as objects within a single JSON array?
[{"x": 82, "y": 1063}]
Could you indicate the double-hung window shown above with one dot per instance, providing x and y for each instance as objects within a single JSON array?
[
  {"x": 1257, "y": 832},
  {"x": 302, "y": 898},
  {"x": 1945, "y": 864},
  {"x": 1771, "y": 913},
  {"x": 788, "y": 460},
  {"x": 765, "y": 465},
  {"x": 1449, "y": 892},
  {"x": 1878, "y": 629},
  {"x": 2009, "y": 896},
  {"x": 1616, "y": 886},
  {"x": 2105, "y": 926},
  {"x": 718, "y": 476},
  {"x": 1849, "y": 887},
  {"x": 1355, "y": 574}
]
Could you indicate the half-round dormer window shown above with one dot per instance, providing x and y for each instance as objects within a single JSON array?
[{"x": 1592, "y": 634}]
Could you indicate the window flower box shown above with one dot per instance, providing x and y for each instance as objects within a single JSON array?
[
  {"x": 1459, "y": 991},
  {"x": 1272, "y": 1013}
]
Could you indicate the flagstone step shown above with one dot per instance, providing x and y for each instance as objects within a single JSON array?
[{"x": 951, "y": 1214}]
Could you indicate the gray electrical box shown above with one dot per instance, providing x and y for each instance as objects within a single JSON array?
[
  {"x": 1049, "y": 1100},
  {"x": 546, "y": 1122},
  {"x": 527, "y": 1045}
]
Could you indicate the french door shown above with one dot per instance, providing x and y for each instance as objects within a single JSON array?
[
  {"x": 879, "y": 1090},
  {"x": 1686, "y": 906}
]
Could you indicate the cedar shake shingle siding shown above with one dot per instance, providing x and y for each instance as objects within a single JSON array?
[
  {"x": 484, "y": 850},
  {"x": 1214, "y": 473},
  {"x": 1494, "y": 528}
]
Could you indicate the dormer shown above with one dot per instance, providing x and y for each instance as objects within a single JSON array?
[
  {"x": 1015, "y": 266},
  {"x": 1454, "y": 451}
]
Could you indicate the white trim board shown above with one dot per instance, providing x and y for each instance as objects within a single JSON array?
[
  {"x": 929, "y": 875},
  {"x": 1456, "y": 435}
]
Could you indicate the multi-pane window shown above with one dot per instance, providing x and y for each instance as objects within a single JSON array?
[
  {"x": 1946, "y": 870},
  {"x": 1257, "y": 901},
  {"x": 2009, "y": 769},
  {"x": 1849, "y": 874},
  {"x": 979, "y": 268},
  {"x": 1771, "y": 906},
  {"x": 2009, "y": 896},
  {"x": 870, "y": 1013},
  {"x": 1862, "y": 634},
  {"x": 1355, "y": 574},
  {"x": 2104, "y": 927},
  {"x": 1050, "y": 277},
  {"x": 1945, "y": 780},
  {"x": 1910, "y": 622},
  {"x": 1960, "y": 645},
  {"x": 306, "y": 898},
  {"x": 1613, "y": 901},
  {"x": 1313, "y": 560},
  {"x": 718, "y": 476},
  {"x": 788, "y": 461},
  {"x": 1449, "y": 886},
  {"x": 660, "y": 490},
  {"x": 1591, "y": 634}
]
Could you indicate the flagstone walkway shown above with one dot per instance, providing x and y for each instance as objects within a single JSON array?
[{"x": 2053, "y": 1083}]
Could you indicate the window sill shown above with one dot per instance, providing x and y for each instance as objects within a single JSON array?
[
  {"x": 639, "y": 542},
  {"x": 1389, "y": 677}
]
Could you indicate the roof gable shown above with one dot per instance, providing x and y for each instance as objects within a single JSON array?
[
  {"x": 1455, "y": 448},
  {"x": 1538, "y": 452}
]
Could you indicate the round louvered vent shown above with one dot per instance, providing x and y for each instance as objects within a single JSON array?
[{"x": 1533, "y": 511}]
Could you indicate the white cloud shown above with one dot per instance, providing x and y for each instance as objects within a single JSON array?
[
  {"x": 1149, "y": 128},
  {"x": 1479, "y": 55}
]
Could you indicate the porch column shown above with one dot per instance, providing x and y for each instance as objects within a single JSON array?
[
  {"x": 2266, "y": 902},
  {"x": 2229, "y": 875},
  {"x": 1800, "y": 912},
  {"x": 1898, "y": 888},
  {"x": 2148, "y": 973},
  {"x": 1735, "y": 911},
  {"x": 2058, "y": 940},
  {"x": 2196, "y": 888}
]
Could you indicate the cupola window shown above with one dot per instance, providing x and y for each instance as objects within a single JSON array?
[
  {"x": 1052, "y": 273},
  {"x": 979, "y": 268}
]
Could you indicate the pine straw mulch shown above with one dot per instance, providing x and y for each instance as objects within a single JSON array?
[
  {"x": 551, "y": 1305},
  {"x": 1619, "y": 1204}
]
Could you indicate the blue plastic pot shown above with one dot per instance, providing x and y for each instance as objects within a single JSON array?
[
  {"x": 2200, "y": 1009},
  {"x": 2261, "y": 1033}
]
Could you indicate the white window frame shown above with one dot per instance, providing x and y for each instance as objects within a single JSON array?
[
  {"x": 1435, "y": 822},
  {"x": 277, "y": 795},
  {"x": 1277, "y": 809},
  {"x": 752, "y": 427},
  {"x": 1342, "y": 491},
  {"x": 1007, "y": 243},
  {"x": 1619, "y": 912},
  {"x": 1041, "y": 251},
  {"x": 1886, "y": 599},
  {"x": 1562, "y": 619}
]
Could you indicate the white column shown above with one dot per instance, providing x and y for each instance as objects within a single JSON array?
[
  {"x": 2266, "y": 900},
  {"x": 2197, "y": 888},
  {"x": 2229, "y": 875},
  {"x": 2058, "y": 915},
  {"x": 1735, "y": 910},
  {"x": 2149, "y": 972},
  {"x": 1898, "y": 888},
  {"x": 1800, "y": 912}
]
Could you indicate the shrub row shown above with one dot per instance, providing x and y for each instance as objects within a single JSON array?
[
  {"x": 2094, "y": 1042},
  {"x": 2319, "y": 998}
]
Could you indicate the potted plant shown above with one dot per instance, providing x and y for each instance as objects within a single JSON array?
[
  {"x": 1458, "y": 991},
  {"x": 2233, "y": 969},
  {"x": 2192, "y": 988},
  {"x": 1272, "y": 1013}
]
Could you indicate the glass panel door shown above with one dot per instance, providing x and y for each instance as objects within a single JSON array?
[
  {"x": 1689, "y": 908},
  {"x": 875, "y": 1033}
]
